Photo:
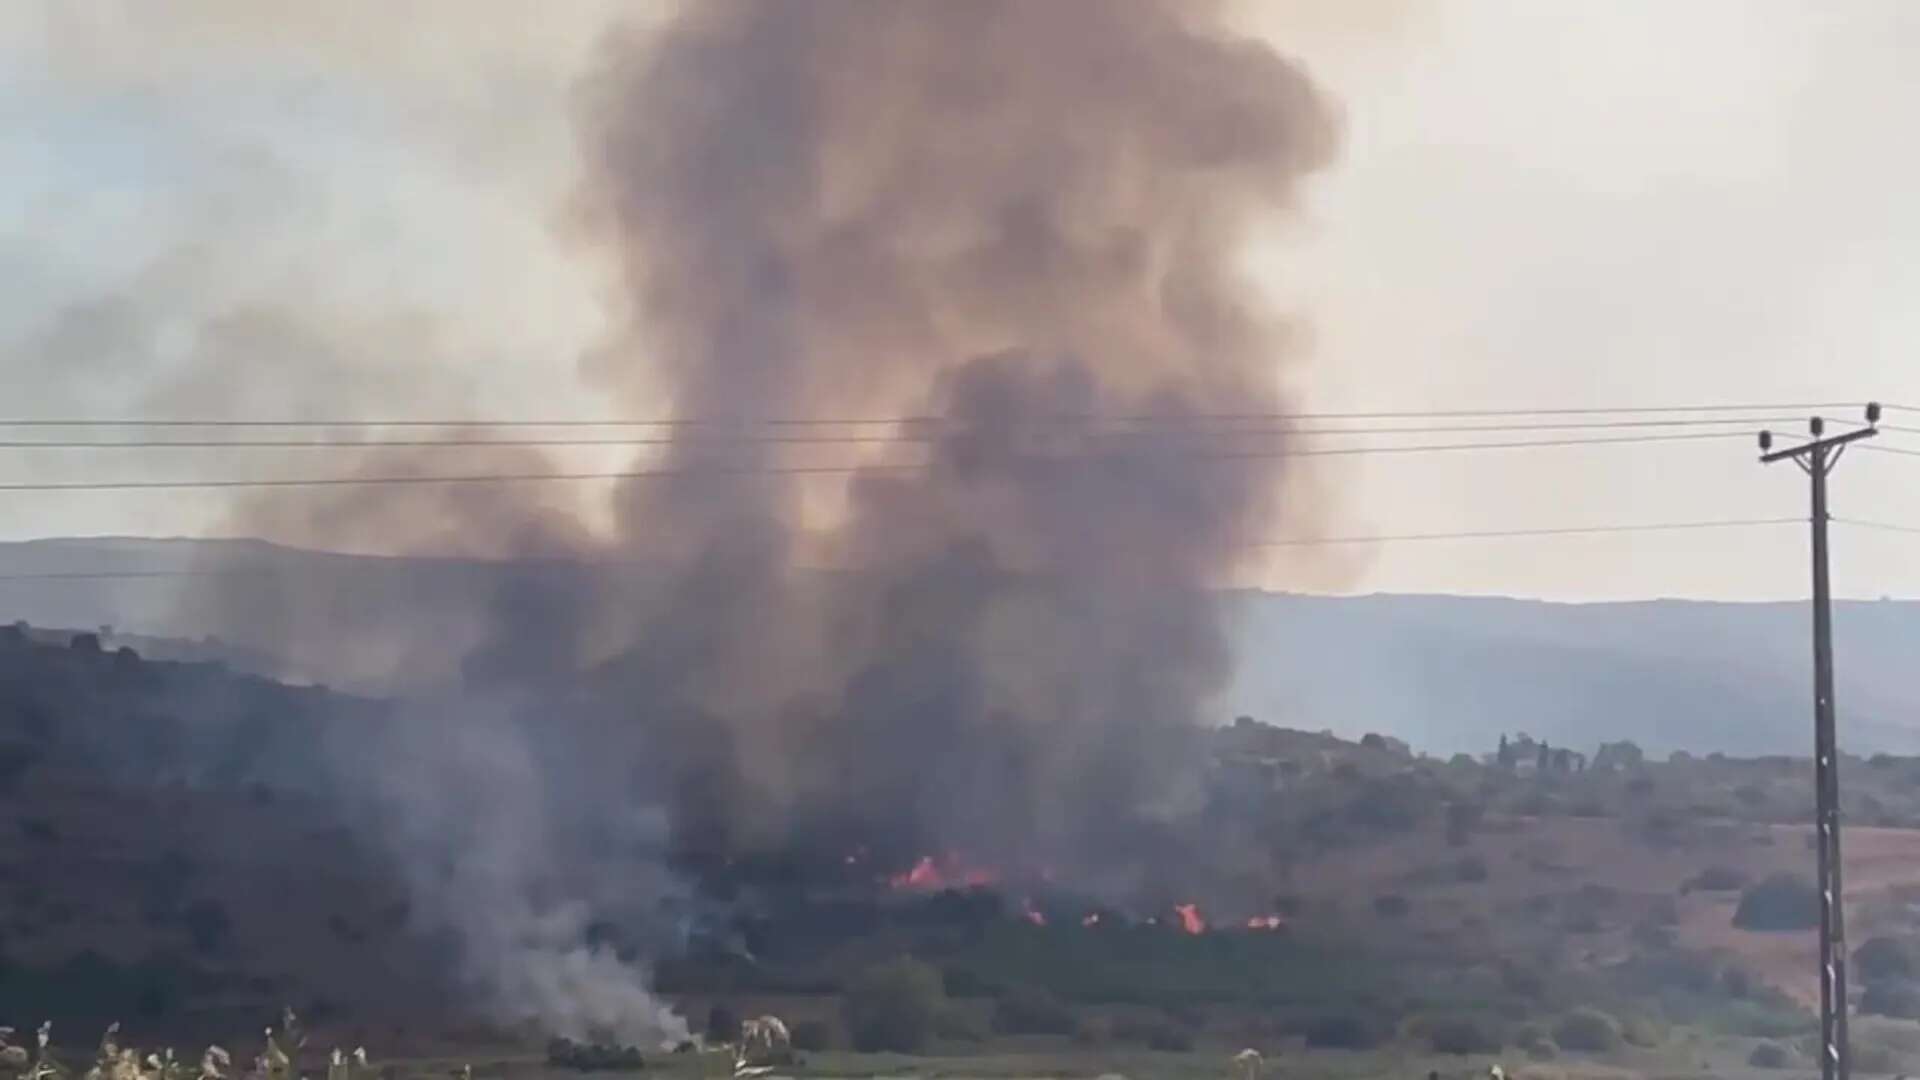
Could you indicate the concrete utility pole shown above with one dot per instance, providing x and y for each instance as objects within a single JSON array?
[{"x": 1817, "y": 459}]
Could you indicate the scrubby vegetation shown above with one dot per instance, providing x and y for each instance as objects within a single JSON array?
[
  {"x": 1588, "y": 1031},
  {"x": 1781, "y": 902},
  {"x": 894, "y": 1006}
]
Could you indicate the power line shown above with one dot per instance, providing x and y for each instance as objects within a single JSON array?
[
  {"x": 1321, "y": 541},
  {"x": 850, "y": 440},
  {"x": 1574, "y": 530},
  {"x": 749, "y": 470},
  {"x": 1404, "y": 414},
  {"x": 1883, "y": 525}
]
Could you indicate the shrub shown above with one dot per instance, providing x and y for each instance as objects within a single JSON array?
[
  {"x": 1781, "y": 902},
  {"x": 1883, "y": 958},
  {"x": 1587, "y": 1030},
  {"x": 593, "y": 1057},
  {"x": 1899, "y": 998},
  {"x": 812, "y": 1036},
  {"x": 1463, "y": 1035},
  {"x": 892, "y": 1006},
  {"x": 1032, "y": 1011},
  {"x": 1717, "y": 879},
  {"x": 1769, "y": 1055},
  {"x": 1470, "y": 868},
  {"x": 1391, "y": 906},
  {"x": 1344, "y": 1031}
]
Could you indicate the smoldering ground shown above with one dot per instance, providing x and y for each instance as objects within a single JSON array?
[{"x": 1000, "y": 228}]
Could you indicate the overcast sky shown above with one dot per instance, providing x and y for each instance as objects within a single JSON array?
[{"x": 1643, "y": 202}]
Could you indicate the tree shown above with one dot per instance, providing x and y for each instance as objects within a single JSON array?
[
  {"x": 1884, "y": 958},
  {"x": 1781, "y": 902},
  {"x": 1618, "y": 755},
  {"x": 1544, "y": 759},
  {"x": 1505, "y": 754},
  {"x": 893, "y": 1006}
]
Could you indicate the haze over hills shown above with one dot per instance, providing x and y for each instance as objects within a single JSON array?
[{"x": 1445, "y": 673}]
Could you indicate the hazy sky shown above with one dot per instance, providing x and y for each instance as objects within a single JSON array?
[{"x": 1642, "y": 202}]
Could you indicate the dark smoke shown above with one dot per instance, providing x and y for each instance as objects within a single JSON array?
[
  {"x": 1005, "y": 218},
  {"x": 1010, "y": 216}
]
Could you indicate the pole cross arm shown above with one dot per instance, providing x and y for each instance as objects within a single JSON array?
[{"x": 1831, "y": 442}]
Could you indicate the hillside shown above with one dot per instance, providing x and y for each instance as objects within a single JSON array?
[
  {"x": 1444, "y": 673},
  {"x": 188, "y": 856}
]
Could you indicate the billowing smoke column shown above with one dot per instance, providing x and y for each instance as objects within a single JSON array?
[
  {"x": 1003, "y": 227},
  {"x": 1016, "y": 220}
]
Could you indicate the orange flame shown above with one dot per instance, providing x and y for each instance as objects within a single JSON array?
[
  {"x": 1090, "y": 919},
  {"x": 1191, "y": 921},
  {"x": 946, "y": 872},
  {"x": 1031, "y": 913},
  {"x": 1266, "y": 922}
]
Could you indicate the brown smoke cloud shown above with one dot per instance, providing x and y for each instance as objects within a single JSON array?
[
  {"x": 1008, "y": 220},
  {"x": 1007, "y": 216}
]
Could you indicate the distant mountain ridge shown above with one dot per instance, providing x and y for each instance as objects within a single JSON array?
[{"x": 1445, "y": 673}]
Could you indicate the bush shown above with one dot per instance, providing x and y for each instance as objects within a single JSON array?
[
  {"x": 893, "y": 1006},
  {"x": 1344, "y": 1031},
  {"x": 1391, "y": 906},
  {"x": 1588, "y": 1030},
  {"x": 1717, "y": 879},
  {"x": 1899, "y": 998},
  {"x": 1781, "y": 902},
  {"x": 1032, "y": 1011},
  {"x": 1463, "y": 1035},
  {"x": 1769, "y": 1055},
  {"x": 1470, "y": 868},
  {"x": 1883, "y": 958},
  {"x": 593, "y": 1057},
  {"x": 812, "y": 1036}
]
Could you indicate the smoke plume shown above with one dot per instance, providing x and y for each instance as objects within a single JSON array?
[{"x": 1000, "y": 227}]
